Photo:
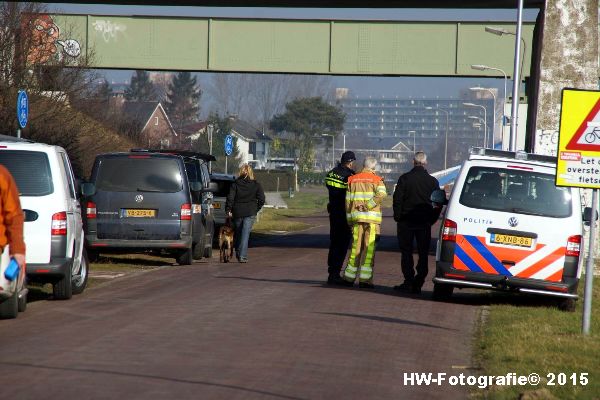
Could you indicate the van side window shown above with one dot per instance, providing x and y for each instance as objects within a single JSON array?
[{"x": 69, "y": 173}]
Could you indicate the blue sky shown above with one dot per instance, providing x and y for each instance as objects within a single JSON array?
[{"x": 362, "y": 86}]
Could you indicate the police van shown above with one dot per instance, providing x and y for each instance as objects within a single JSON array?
[{"x": 508, "y": 227}]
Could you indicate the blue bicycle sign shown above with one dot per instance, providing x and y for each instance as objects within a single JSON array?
[
  {"x": 228, "y": 145},
  {"x": 22, "y": 108}
]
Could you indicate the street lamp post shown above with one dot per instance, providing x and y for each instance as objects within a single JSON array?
[
  {"x": 480, "y": 122},
  {"x": 517, "y": 72},
  {"x": 332, "y": 148},
  {"x": 446, "y": 136},
  {"x": 478, "y": 88},
  {"x": 502, "y": 32},
  {"x": 484, "y": 118},
  {"x": 209, "y": 131},
  {"x": 480, "y": 67}
]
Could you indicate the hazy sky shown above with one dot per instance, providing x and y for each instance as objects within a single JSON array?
[{"x": 363, "y": 86}]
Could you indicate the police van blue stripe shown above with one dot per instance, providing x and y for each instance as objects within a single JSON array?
[
  {"x": 462, "y": 256},
  {"x": 489, "y": 257}
]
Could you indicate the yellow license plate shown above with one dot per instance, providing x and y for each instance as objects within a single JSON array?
[
  {"x": 140, "y": 213},
  {"x": 511, "y": 240},
  {"x": 216, "y": 205}
]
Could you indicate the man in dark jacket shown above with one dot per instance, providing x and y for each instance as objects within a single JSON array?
[
  {"x": 339, "y": 231},
  {"x": 415, "y": 214}
]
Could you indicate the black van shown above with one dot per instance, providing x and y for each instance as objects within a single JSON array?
[{"x": 142, "y": 200}]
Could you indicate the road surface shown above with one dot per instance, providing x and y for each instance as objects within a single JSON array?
[{"x": 269, "y": 329}]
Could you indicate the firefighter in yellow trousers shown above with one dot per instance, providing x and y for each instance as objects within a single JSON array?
[{"x": 363, "y": 212}]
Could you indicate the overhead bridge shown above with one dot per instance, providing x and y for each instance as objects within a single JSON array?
[{"x": 294, "y": 46}]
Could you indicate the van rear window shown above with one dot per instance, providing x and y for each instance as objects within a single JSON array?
[
  {"x": 518, "y": 191},
  {"x": 152, "y": 174},
  {"x": 31, "y": 170}
]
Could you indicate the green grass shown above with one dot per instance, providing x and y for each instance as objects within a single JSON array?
[
  {"x": 541, "y": 339},
  {"x": 308, "y": 201}
]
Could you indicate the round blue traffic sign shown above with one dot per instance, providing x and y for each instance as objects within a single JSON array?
[
  {"x": 22, "y": 108},
  {"x": 228, "y": 145}
]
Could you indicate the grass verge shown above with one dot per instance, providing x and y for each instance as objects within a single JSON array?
[
  {"x": 306, "y": 202},
  {"x": 543, "y": 340}
]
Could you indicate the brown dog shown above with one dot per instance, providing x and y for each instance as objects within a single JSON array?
[{"x": 226, "y": 242}]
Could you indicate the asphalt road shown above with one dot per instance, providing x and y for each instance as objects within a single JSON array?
[{"x": 269, "y": 329}]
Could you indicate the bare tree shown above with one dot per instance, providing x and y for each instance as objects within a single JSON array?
[
  {"x": 258, "y": 97},
  {"x": 40, "y": 55}
]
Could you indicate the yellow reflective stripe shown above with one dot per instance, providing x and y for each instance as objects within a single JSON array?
[
  {"x": 335, "y": 183},
  {"x": 371, "y": 220},
  {"x": 371, "y": 203},
  {"x": 334, "y": 179},
  {"x": 374, "y": 214},
  {"x": 362, "y": 193},
  {"x": 351, "y": 197}
]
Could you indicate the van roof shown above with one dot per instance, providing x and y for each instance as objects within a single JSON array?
[
  {"x": 183, "y": 153},
  {"x": 478, "y": 153}
]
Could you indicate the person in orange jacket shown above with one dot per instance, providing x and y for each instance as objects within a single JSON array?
[
  {"x": 11, "y": 219},
  {"x": 365, "y": 193}
]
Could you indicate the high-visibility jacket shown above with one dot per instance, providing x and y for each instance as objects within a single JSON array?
[
  {"x": 336, "y": 182},
  {"x": 365, "y": 189}
]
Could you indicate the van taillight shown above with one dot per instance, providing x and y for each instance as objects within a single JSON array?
[
  {"x": 573, "y": 246},
  {"x": 186, "y": 212},
  {"x": 59, "y": 224},
  {"x": 449, "y": 230},
  {"x": 90, "y": 210}
]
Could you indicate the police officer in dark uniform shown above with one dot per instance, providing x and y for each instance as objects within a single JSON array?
[{"x": 340, "y": 234}]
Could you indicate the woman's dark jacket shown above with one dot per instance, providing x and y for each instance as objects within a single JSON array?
[{"x": 245, "y": 199}]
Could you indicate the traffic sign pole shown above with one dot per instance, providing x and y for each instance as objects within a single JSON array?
[
  {"x": 228, "y": 148},
  {"x": 589, "y": 269},
  {"x": 22, "y": 111}
]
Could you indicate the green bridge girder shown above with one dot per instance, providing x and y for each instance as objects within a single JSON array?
[{"x": 294, "y": 46}]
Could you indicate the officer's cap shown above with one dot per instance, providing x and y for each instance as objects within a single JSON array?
[{"x": 348, "y": 156}]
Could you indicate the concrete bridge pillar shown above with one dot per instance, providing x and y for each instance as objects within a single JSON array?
[{"x": 569, "y": 58}]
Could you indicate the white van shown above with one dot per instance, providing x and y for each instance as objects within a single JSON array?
[
  {"x": 53, "y": 229},
  {"x": 508, "y": 227}
]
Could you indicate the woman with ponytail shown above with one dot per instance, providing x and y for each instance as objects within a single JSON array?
[{"x": 245, "y": 199}]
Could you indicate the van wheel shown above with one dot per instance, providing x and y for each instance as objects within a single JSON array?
[
  {"x": 9, "y": 308},
  {"x": 63, "y": 290},
  {"x": 442, "y": 292},
  {"x": 185, "y": 258},
  {"x": 22, "y": 306},
  {"x": 79, "y": 280},
  {"x": 567, "y": 305}
]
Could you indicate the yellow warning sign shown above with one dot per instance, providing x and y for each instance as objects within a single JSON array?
[{"x": 579, "y": 139}]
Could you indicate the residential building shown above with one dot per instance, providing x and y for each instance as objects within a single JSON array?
[
  {"x": 422, "y": 124},
  {"x": 150, "y": 121},
  {"x": 252, "y": 144}
]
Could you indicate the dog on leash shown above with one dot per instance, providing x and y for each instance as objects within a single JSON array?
[{"x": 226, "y": 241}]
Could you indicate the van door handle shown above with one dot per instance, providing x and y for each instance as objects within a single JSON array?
[{"x": 507, "y": 262}]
